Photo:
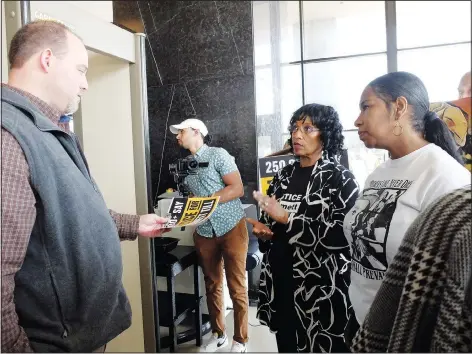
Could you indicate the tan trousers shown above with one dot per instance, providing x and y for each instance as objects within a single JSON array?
[{"x": 232, "y": 248}]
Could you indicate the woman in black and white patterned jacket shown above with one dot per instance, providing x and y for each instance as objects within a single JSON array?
[{"x": 303, "y": 293}]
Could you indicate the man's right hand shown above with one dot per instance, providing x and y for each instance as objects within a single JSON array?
[{"x": 260, "y": 230}]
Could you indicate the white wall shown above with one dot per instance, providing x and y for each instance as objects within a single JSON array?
[
  {"x": 108, "y": 146},
  {"x": 102, "y": 9},
  {"x": 91, "y": 23},
  {"x": 4, "y": 48}
]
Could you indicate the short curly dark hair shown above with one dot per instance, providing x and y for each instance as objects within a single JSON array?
[{"x": 327, "y": 121}]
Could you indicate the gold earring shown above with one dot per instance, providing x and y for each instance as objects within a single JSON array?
[{"x": 397, "y": 126}]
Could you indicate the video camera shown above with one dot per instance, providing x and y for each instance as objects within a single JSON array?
[{"x": 183, "y": 168}]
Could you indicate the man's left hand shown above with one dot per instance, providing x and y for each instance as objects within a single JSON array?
[{"x": 151, "y": 225}]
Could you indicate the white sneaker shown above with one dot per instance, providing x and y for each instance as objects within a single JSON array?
[
  {"x": 238, "y": 347},
  {"x": 215, "y": 343}
]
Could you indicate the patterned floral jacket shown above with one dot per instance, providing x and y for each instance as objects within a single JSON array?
[{"x": 321, "y": 254}]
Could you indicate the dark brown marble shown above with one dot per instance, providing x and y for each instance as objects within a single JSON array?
[{"x": 199, "y": 65}]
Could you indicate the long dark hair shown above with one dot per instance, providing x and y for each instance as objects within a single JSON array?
[
  {"x": 393, "y": 85},
  {"x": 327, "y": 121}
]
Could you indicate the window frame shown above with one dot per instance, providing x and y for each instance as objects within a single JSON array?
[
  {"x": 391, "y": 52},
  {"x": 391, "y": 37}
]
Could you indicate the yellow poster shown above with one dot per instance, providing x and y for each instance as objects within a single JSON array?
[
  {"x": 268, "y": 168},
  {"x": 190, "y": 211}
]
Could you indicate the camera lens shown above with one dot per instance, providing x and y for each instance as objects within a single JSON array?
[{"x": 193, "y": 164}]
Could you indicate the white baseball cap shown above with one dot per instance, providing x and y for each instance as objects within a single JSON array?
[{"x": 196, "y": 124}]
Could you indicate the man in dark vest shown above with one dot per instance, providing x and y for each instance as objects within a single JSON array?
[{"x": 61, "y": 261}]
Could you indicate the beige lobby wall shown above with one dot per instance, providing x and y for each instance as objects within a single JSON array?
[
  {"x": 102, "y": 9},
  {"x": 108, "y": 145},
  {"x": 4, "y": 48}
]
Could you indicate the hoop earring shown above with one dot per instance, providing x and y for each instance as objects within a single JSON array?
[{"x": 397, "y": 126}]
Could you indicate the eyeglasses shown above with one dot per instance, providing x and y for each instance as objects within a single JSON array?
[{"x": 306, "y": 129}]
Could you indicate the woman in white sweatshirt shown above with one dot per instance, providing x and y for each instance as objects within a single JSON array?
[{"x": 424, "y": 165}]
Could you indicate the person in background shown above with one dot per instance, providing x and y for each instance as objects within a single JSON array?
[
  {"x": 424, "y": 304},
  {"x": 62, "y": 287},
  {"x": 465, "y": 86},
  {"x": 286, "y": 150},
  {"x": 303, "y": 293},
  {"x": 223, "y": 237},
  {"x": 287, "y": 144},
  {"x": 457, "y": 116},
  {"x": 424, "y": 165}
]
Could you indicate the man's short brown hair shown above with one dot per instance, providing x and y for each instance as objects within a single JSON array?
[{"x": 35, "y": 36}]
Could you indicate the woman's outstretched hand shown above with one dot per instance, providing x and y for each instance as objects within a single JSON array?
[
  {"x": 271, "y": 207},
  {"x": 260, "y": 230}
]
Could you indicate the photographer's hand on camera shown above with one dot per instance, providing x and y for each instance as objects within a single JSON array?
[{"x": 183, "y": 168}]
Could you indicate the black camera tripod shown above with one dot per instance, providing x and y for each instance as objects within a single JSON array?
[
  {"x": 179, "y": 179},
  {"x": 183, "y": 168}
]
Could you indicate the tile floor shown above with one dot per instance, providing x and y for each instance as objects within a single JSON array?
[{"x": 260, "y": 339}]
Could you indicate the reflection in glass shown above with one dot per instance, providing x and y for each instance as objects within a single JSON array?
[
  {"x": 273, "y": 116},
  {"x": 362, "y": 161},
  {"x": 264, "y": 92},
  {"x": 340, "y": 83},
  {"x": 261, "y": 25},
  {"x": 339, "y": 28},
  {"x": 264, "y": 146},
  {"x": 423, "y": 23},
  {"x": 440, "y": 68},
  {"x": 291, "y": 93},
  {"x": 289, "y": 22},
  {"x": 278, "y": 83},
  {"x": 279, "y": 22}
]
